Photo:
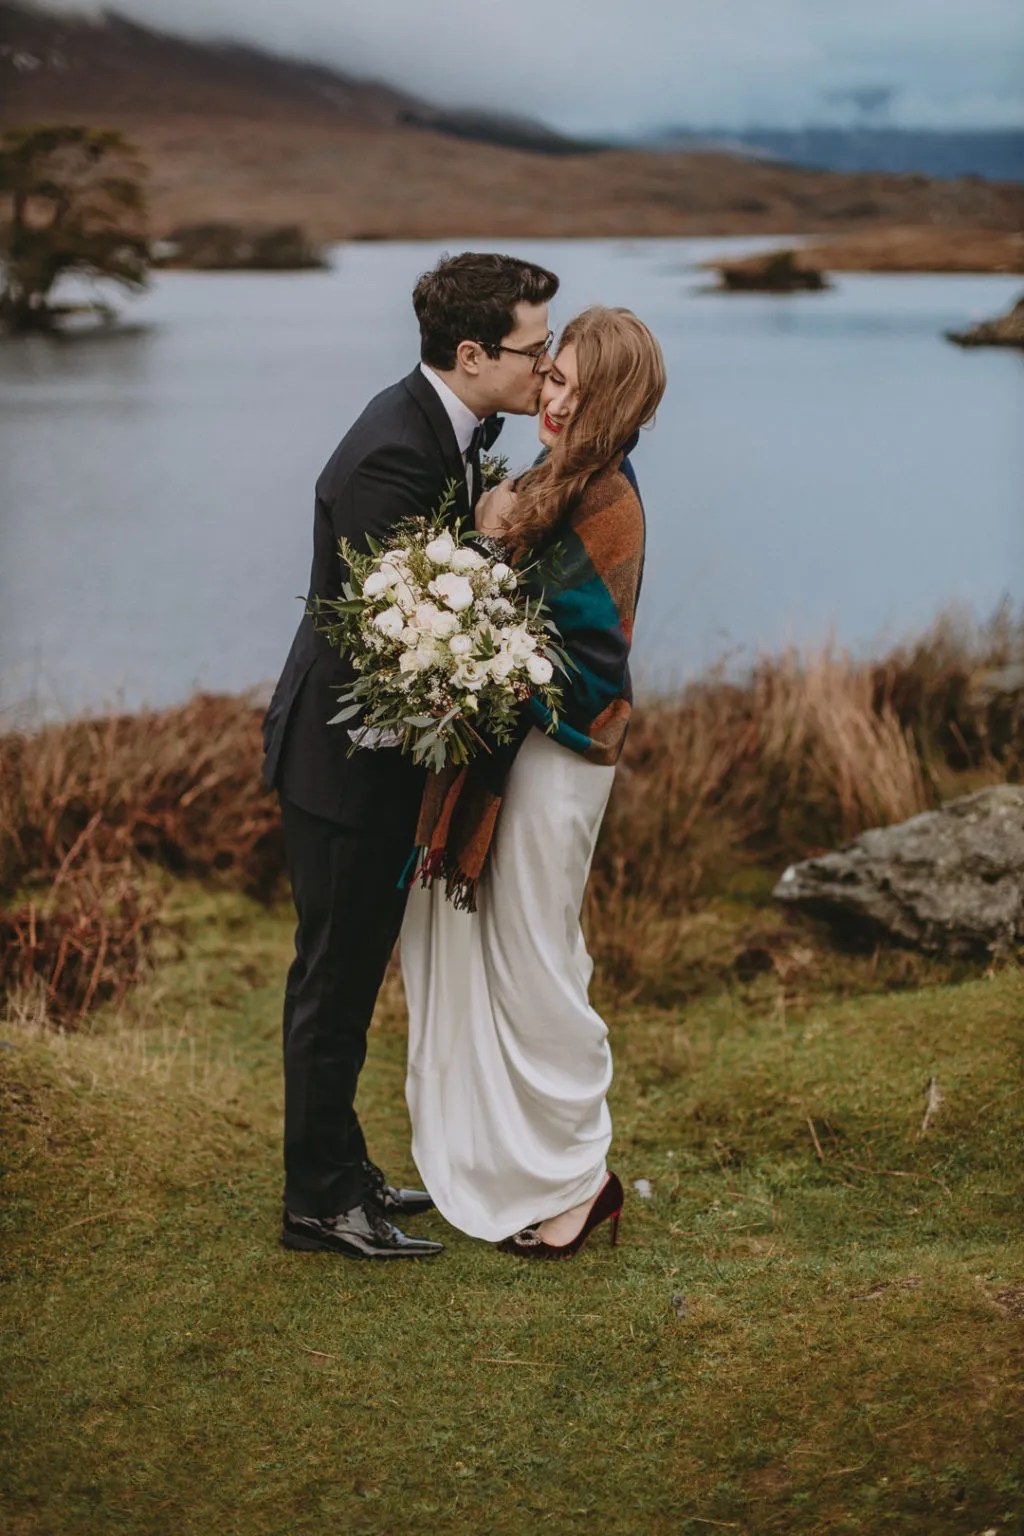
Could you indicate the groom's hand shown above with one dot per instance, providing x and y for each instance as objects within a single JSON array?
[{"x": 495, "y": 509}]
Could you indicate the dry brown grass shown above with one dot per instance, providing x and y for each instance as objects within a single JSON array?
[
  {"x": 937, "y": 686},
  {"x": 86, "y": 807},
  {"x": 178, "y": 788},
  {"x": 828, "y": 755},
  {"x": 85, "y": 941},
  {"x": 725, "y": 778}
]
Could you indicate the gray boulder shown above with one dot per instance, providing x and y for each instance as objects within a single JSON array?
[{"x": 950, "y": 881}]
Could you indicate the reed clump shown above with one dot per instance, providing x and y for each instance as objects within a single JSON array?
[
  {"x": 84, "y": 941},
  {"x": 178, "y": 788},
  {"x": 90, "y": 809},
  {"x": 959, "y": 690},
  {"x": 725, "y": 779}
]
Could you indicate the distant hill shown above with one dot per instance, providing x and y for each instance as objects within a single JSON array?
[
  {"x": 55, "y": 64},
  {"x": 230, "y": 132},
  {"x": 996, "y": 154}
]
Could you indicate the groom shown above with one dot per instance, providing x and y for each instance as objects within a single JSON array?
[{"x": 349, "y": 821}]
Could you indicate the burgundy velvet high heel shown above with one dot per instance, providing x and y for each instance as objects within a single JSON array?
[{"x": 607, "y": 1206}]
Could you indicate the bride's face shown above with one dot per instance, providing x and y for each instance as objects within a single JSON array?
[{"x": 559, "y": 396}]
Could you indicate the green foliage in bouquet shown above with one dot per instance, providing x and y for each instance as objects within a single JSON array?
[
  {"x": 493, "y": 469},
  {"x": 446, "y": 646}
]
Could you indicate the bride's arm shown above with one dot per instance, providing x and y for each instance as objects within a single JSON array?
[{"x": 494, "y": 509}]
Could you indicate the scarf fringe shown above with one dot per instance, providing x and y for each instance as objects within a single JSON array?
[
  {"x": 459, "y": 888},
  {"x": 429, "y": 865}
]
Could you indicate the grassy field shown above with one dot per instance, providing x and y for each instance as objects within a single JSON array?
[{"x": 813, "y": 1325}]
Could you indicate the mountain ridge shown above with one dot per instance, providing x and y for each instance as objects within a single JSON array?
[
  {"x": 67, "y": 62},
  {"x": 945, "y": 154}
]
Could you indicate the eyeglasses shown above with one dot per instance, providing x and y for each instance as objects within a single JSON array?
[{"x": 538, "y": 353}]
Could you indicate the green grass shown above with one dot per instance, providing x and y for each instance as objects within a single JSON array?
[{"x": 814, "y": 1325}]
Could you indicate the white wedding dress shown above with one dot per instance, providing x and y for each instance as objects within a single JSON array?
[{"x": 509, "y": 1066}]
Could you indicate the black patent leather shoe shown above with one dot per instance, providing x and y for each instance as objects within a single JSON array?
[
  {"x": 363, "y": 1232},
  {"x": 392, "y": 1201}
]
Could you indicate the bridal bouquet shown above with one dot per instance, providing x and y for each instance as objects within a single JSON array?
[{"x": 445, "y": 645}]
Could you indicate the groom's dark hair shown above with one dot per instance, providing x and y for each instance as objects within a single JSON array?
[{"x": 471, "y": 297}]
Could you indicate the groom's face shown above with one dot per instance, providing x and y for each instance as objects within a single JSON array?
[{"x": 512, "y": 380}]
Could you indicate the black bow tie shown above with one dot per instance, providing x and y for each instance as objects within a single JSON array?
[{"x": 484, "y": 435}]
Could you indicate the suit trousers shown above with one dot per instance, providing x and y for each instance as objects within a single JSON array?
[{"x": 345, "y": 883}]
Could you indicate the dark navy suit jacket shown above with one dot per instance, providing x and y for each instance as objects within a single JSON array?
[{"x": 393, "y": 463}]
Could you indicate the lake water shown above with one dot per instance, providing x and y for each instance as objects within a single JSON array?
[{"x": 823, "y": 463}]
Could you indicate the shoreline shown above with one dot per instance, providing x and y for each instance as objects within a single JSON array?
[
  {"x": 340, "y": 182},
  {"x": 916, "y": 251}
]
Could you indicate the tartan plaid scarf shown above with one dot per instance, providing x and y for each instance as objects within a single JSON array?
[{"x": 590, "y": 581}]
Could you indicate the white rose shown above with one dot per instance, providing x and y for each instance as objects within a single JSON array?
[
  {"x": 501, "y": 665},
  {"x": 410, "y": 635},
  {"x": 440, "y": 550},
  {"x": 453, "y": 590},
  {"x": 519, "y": 643},
  {"x": 466, "y": 560},
  {"x": 411, "y": 661},
  {"x": 471, "y": 674},
  {"x": 460, "y": 645},
  {"x": 540, "y": 669},
  {"x": 376, "y": 583},
  {"x": 500, "y": 573},
  {"x": 443, "y": 624},
  {"x": 424, "y": 615},
  {"x": 390, "y": 622}
]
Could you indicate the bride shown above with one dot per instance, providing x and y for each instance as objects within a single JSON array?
[{"x": 509, "y": 1065}]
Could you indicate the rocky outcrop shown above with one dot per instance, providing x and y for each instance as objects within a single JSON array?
[
  {"x": 1007, "y": 331},
  {"x": 225, "y": 247},
  {"x": 950, "y": 881},
  {"x": 777, "y": 272}
]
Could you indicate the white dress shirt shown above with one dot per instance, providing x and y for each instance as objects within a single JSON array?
[{"x": 464, "y": 422}]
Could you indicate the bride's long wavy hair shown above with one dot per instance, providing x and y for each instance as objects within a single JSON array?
[{"x": 621, "y": 381}]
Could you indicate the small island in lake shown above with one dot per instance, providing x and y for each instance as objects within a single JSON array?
[
  {"x": 224, "y": 246},
  {"x": 777, "y": 272},
  {"x": 1005, "y": 331}
]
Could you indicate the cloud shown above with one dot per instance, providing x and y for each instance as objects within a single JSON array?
[{"x": 601, "y": 66}]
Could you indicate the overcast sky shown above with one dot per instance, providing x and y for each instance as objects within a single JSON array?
[{"x": 620, "y": 65}]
